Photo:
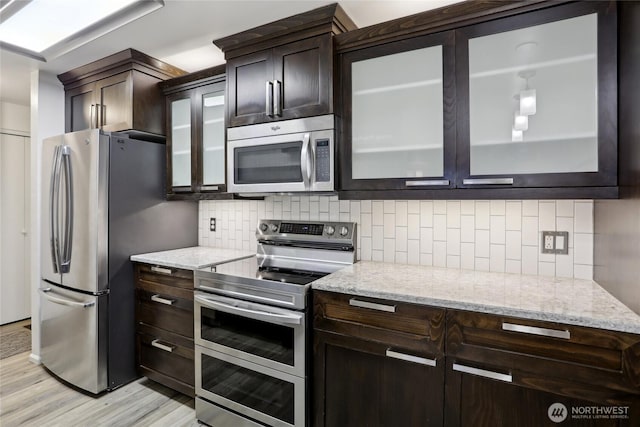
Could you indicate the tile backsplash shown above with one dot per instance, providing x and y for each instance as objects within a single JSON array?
[{"x": 495, "y": 235}]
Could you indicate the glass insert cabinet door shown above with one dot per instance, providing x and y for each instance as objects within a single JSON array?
[
  {"x": 181, "y": 142},
  {"x": 212, "y": 98},
  {"x": 400, "y": 130},
  {"x": 537, "y": 96}
]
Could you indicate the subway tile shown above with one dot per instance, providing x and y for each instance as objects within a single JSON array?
[
  {"x": 513, "y": 266},
  {"x": 345, "y": 205},
  {"x": 583, "y": 217},
  {"x": 513, "y": 220},
  {"x": 324, "y": 204},
  {"x": 334, "y": 208},
  {"x": 401, "y": 258},
  {"x": 389, "y": 206},
  {"x": 583, "y": 248},
  {"x": 354, "y": 210},
  {"x": 413, "y": 207},
  {"x": 304, "y": 216},
  {"x": 413, "y": 226},
  {"x": 440, "y": 254},
  {"x": 529, "y": 260},
  {"x": 497, "y": 258},
  {"x": 529, "y": 208},
  {"x": 413, "y": 250},
  {"x": 389, "y": 226},
  {"x": 314, "y": 209},
  {"x": 482, "y": 264},
  {"x": 365, "y": 206},
  {"x": 453, "y": 241},
  {"x": 564, "y": 208},
  {"x": 497, "y": 230},
  {"x": 513, "y": 247},
  {"x": 426, "y": 214},
  {"x": 482, "y": 244},
  {"x": 286, "y": 204},
  {"x": 324, "y": 216},
  {"x": 547, "y": 217},
  {"x": 365, "y": 224},
  {"x": 497, "y": 207},
  {"x": 467, "y": 207},
  {"x": 401, "y": 239},
  {"x": 440, "y": 227},
  {"x": 365, "y": 248},
  {"x": 426, "y": 259},
  {"x": 304, "y": 204},
  {"x": 565, "y": 224},
  {"x": 467, "y": 228},
  {"x": 564, "y": 265},
  {"x": 295, "y": 210},
  {"x": 378, "y": 237},
  {"x": 453, "y": 261},
  {"x": 378, "y": 212},
  {"x": 426, "y": 240},
  {"x": 467, "y": 256},
  {"x": 401, "y": 213},
  {"x": 345, "y": 217},
  {"x": 546, "y": 268},
  {"x": 483, "y": 209},
  {"x": 583, "y": 272},
  {"x": 530, "y": 231},
  {"x": 377, "y": 255},
  {"x": 389, "y": 250},
  {"x": 453, "y": 214},
  {"x": 439, "y": 207}
]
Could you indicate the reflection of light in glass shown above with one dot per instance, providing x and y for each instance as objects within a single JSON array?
[
  {"x": 521, "y": 122},
  {"x": 528, "y": 102},
  {"x": 516, "y": 135},
  {"x": 213, "y": 101}
]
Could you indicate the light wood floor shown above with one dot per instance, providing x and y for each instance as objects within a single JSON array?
[{"x": 31, "y": 396}]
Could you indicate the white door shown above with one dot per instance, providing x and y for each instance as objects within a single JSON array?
[{"x": 15, "y": 300}]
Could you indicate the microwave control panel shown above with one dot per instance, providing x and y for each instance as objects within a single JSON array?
[{"x": 323, "y": 160}]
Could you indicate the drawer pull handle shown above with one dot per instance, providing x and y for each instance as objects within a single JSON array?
[
  {"x": 426, "y": 183},
  {"x": 411, "y": 358},
  {"x": 533, "y": 330},
  {"x": 157, "y": 344},
  {"x": 158, "y": 298},
  {"x": 162, "y": 270},
  {"x": 483, "y": 373},
  {"x": 372, "y": 305},
  {"x": 488, "y": 181}
]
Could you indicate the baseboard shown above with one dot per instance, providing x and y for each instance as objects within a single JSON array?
[{"x": 35, "y": 359}]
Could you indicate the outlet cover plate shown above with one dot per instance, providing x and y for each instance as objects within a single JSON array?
[
  {"x": 212, "y": 224},
  {"x": 560, "y": 242}
]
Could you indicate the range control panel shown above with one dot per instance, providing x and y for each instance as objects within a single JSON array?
[{"x": 321, "y": 230}]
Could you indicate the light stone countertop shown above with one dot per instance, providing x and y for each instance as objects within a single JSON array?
[
  {"x": 192, "y": 258},
  {"x": 569, "y": 301}
]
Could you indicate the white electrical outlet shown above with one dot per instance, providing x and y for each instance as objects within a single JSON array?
[
  {"x": 555, "y": 242},
  {"x": 548, "y": 242}
]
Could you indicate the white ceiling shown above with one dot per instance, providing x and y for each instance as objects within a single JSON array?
[{"x": 181, "y": 33}]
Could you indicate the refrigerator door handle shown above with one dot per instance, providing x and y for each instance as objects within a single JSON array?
[
  {"x": 63, "y": 301},
  {"x": 53, "y": 208},
  {"x": 65, "y": 264}
]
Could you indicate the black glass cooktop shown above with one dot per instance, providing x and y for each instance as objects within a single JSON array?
[{"x": 248, "y": 268}]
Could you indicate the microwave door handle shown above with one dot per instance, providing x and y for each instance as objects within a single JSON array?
[{"x": 305, "y": 161}]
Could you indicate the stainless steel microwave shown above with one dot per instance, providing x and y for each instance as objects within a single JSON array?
[{"x": 289, "y": 156}]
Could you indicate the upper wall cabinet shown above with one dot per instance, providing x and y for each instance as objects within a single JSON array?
[
  {"x": 539, "y": 99},
  {"x": 195, "y": 106},
  {"x": 398, "y": 101},
  {"x": 117, "y": 93},
  {"x": 283, "y": 70},
  {"x": 482, "y": 101}
]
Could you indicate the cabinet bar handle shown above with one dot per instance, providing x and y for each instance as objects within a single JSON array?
[
  {"x": 161, "y": 270},
  {"x": 426, "y": 183},
  {"x": 483, "y": 373},
  {"x": 156, "y": 343},
  {"x": 372, "y": 305},
  {"x": 210, "y": 187},
  {"x": 268, "y": 97},
  {"x": 487, "y": 181},
  {"x": 533, "y": 330},
  {"x": 158, "y": 298},
  {"x": 277, "y": 104},
  {"x": 410, "y": 358}
]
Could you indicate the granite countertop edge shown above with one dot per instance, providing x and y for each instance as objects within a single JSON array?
[{"x": 191, "y": 258}]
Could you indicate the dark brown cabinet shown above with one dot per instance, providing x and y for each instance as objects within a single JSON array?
[
  {"x": 503, "y": 370},
  {"x": 196, "y": 149},
  {"x": 508, "y": 103},
  {"x": 377, "y": 363},
  {"x": 117, "y": 93},
  {"x": 283, "y": 70},
  {"x": 164, "y": 326}
]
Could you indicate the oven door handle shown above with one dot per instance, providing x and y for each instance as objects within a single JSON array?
[{"x": 281, "y": 318}]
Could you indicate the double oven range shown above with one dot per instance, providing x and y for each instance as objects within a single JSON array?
[{"x": 253, "y": 324}]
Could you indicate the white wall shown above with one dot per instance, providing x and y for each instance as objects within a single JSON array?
[
  {"x": 47, "y": 119},
  {"x": 14, "y": 118},
  {"x": 496, "y": 235}
]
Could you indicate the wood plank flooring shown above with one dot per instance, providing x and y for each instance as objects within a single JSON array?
[{"x": 31, "y": 396}]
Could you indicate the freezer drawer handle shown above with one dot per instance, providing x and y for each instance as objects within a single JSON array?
[
  {"x": 157, "y": 269},
  {"x": 372, "y": 305},
  {"x": 63, "y": 301},
  {"x": 483, "y": 373},
  {"x": 410, "y": 358},
  {"x": 158, "y": 298},
  {"x": 533, "y": 330},
  {"x": 156, "y": 343}
]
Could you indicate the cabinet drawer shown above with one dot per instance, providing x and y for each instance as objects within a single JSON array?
[
  {"x": 166, "y": 354},
  {"x": 531, "y": 349},
  {"x": 151, "y": 275},
  {"x": 398, "y": 324},
  {"x": 165, "y": 311}
]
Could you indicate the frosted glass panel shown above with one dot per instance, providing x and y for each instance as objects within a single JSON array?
[
  {"x": 181, "y": 142},
  {"x": 213, "y": 138},
  {"x": 385, "y": 142},
  {"x": 553, "y": 68}
]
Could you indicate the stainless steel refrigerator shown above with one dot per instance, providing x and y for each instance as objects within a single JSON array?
[{"x": 102, "y": 201}]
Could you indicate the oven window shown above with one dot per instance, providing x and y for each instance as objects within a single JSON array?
[
  {"x": 271, "y": 163},
  {"x": 273, "y": 342},
  {"x": 269, "y": 395}
]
